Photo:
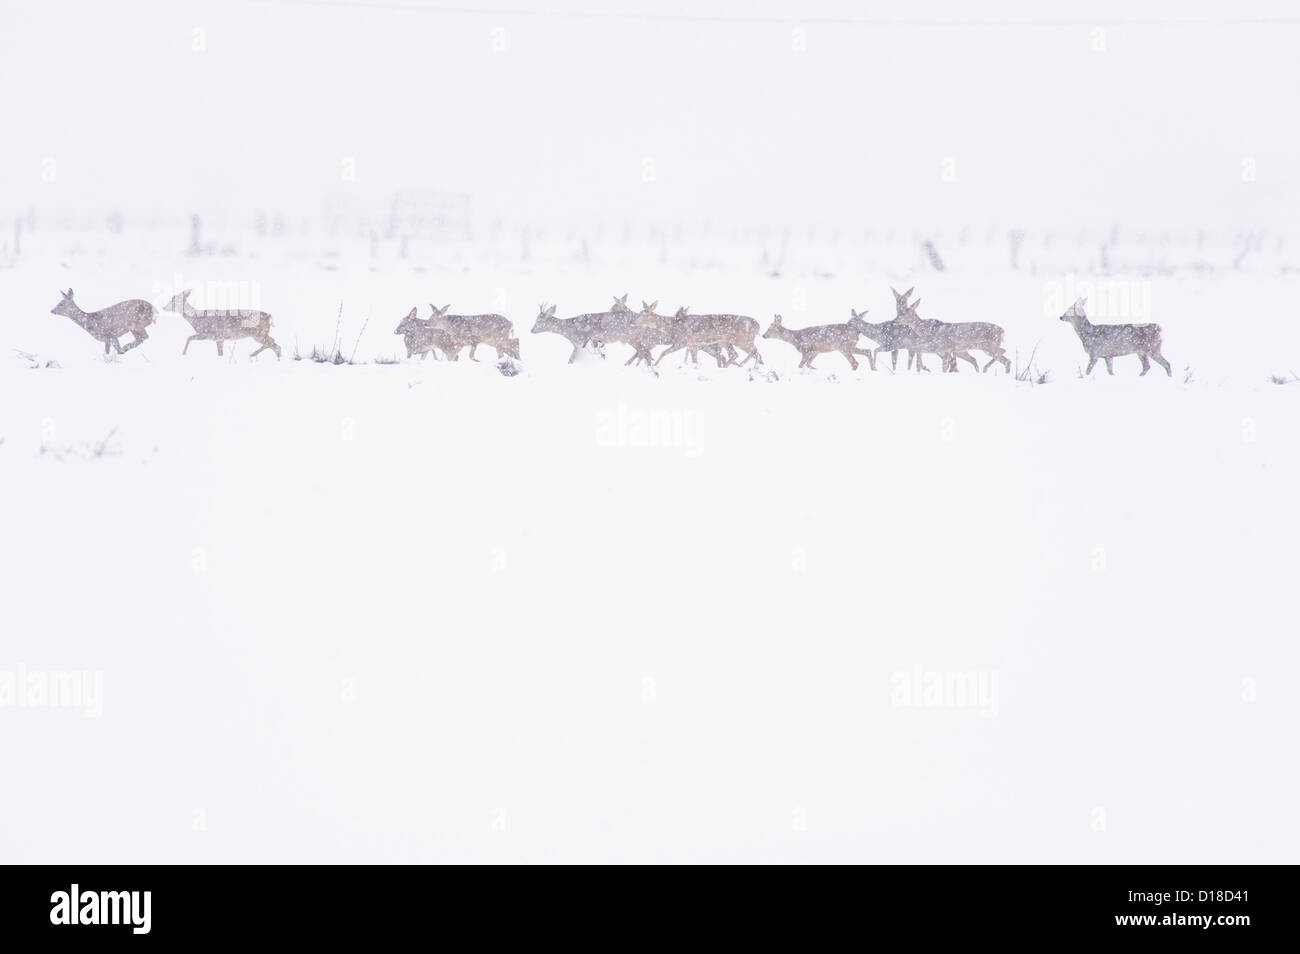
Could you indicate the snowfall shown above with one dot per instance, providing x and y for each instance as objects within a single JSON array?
[{"x": 409, "y": 610}]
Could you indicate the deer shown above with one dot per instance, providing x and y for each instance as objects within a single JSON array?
[
  {"x": 223, "y": 326},
  {"x": 894, "y": 336},
  {"x": 959, "y": 338},
  {"x": 704, "y": 332},
  {"x": 932, "y": 338},
  {"x": 621, "y": 325},
  {"x": 818, "y": 339},
  {"x": 421, "y": 338},
  {"x": 577, "y": 330},
  {"x": 1108, "y": 342},
  {"x": 474, "y": 330},
  {"x": 109, "y": 324}
]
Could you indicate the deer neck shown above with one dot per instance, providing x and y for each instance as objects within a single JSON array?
[
  {"x": 784, "y": 334},
  {"x": 77, "y": 315}
]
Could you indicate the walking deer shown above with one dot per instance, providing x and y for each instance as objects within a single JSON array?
[
  {"x": 474, "y": 330},
  {"x": 223, "y": 326},
  {"x": 1109, "y": 342},
  {"x": 421, "y": 338},
  {"x": 704, "y": 332},
  {"x": 109, "y": 324},
  {"x": 818, "y": 339},
  {"x": 959, "y": 338},
  {"x": 933, "y": 338},
  {"x": 577, "y": 330}
]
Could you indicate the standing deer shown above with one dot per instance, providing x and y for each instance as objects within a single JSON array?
[
  {"x": 421, "y": 338},
  {"x": 896, "y": 335},
  {"x": 108, "y": 324},
  {"x": 474, "y": 330},
  {"x": 223, "y": 326},
  {"x": 577, "y": 330},
  {"x": 706, "y": 332},
  {"x": 1109, "y": 342},
  {"x": 817, "y": 339}
]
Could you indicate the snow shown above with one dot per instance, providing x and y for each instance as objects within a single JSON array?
[{"x": 429, "y": 612}]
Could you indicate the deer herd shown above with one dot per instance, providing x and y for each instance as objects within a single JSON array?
[{"x": 722, "y": 336}]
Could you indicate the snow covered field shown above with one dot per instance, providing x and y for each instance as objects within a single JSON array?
[{"x": 428, "y": 612}]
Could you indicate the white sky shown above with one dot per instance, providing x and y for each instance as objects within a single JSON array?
[{"x": 1042, "y": 129}]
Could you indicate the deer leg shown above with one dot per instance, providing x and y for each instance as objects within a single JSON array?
[
  {"x": 1110, "y": 368},
  {"x": 1146, "y": 365},
  {"x": 1159, "y": 359},
  {"x": 869, "y": 355},
  {"x": 195, "y": 338},
  {"x": 853, "y": 362},
  {"x": 965, "y": 356},
  {"x": 920, "y": 365},
  {"x": 574, "y": 357},
  {"x": 666, "y": 353},
  {"x": 893, "y": 360},
  {"x": 1091, "y": 364},
  {"x": 220, "y": 348},
  {"x": 471, "y": 351},
  {"x": 107, "y": 344}
]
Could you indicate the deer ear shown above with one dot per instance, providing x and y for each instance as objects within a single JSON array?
[
  {"x": 412, "y": 314},
  {"x": 909, "y": 291},
  {"x": 68, "y": 293},
  {"x": 550, "y": 312}
]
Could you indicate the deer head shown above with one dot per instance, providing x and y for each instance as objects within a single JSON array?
[
  {"x": 409, "y": 323},
  {"x": 774, "y": 330},
  {"x": 179, "y": 302},
  {"x": 545, "y": 318},
  {"x": 648, "y": 318},
  {"x": 858, "y": 321},
  {"x": 439, "y": 316},
  {"x": 907, "y": 314},
  {"x": 900, "y": 300},
  {"x": 683, "y": 311},
  {"x": 620, "y": 305},
  {"x": 66, "y": 306},
  {"x": 1075, "y": 315}
]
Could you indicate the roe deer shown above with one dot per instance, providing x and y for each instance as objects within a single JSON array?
[
  {"x": 895, "y": 336},
  {"x": 817, "y": 339},
  {"x": 473, "y": 330},
  {"x": 421, "y": 338},
  {"x": 108, "y": 324},
  {"x": 707, "y": 332},
  {"x": 621, "y": 325},
  {"x": 577, "y": 330},
  {"x": 931, "y": 338},
  {"x": 223, "y": 326},
  {"x": 1109, "y": 342},
  {"x": 958, "y": 338}
]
